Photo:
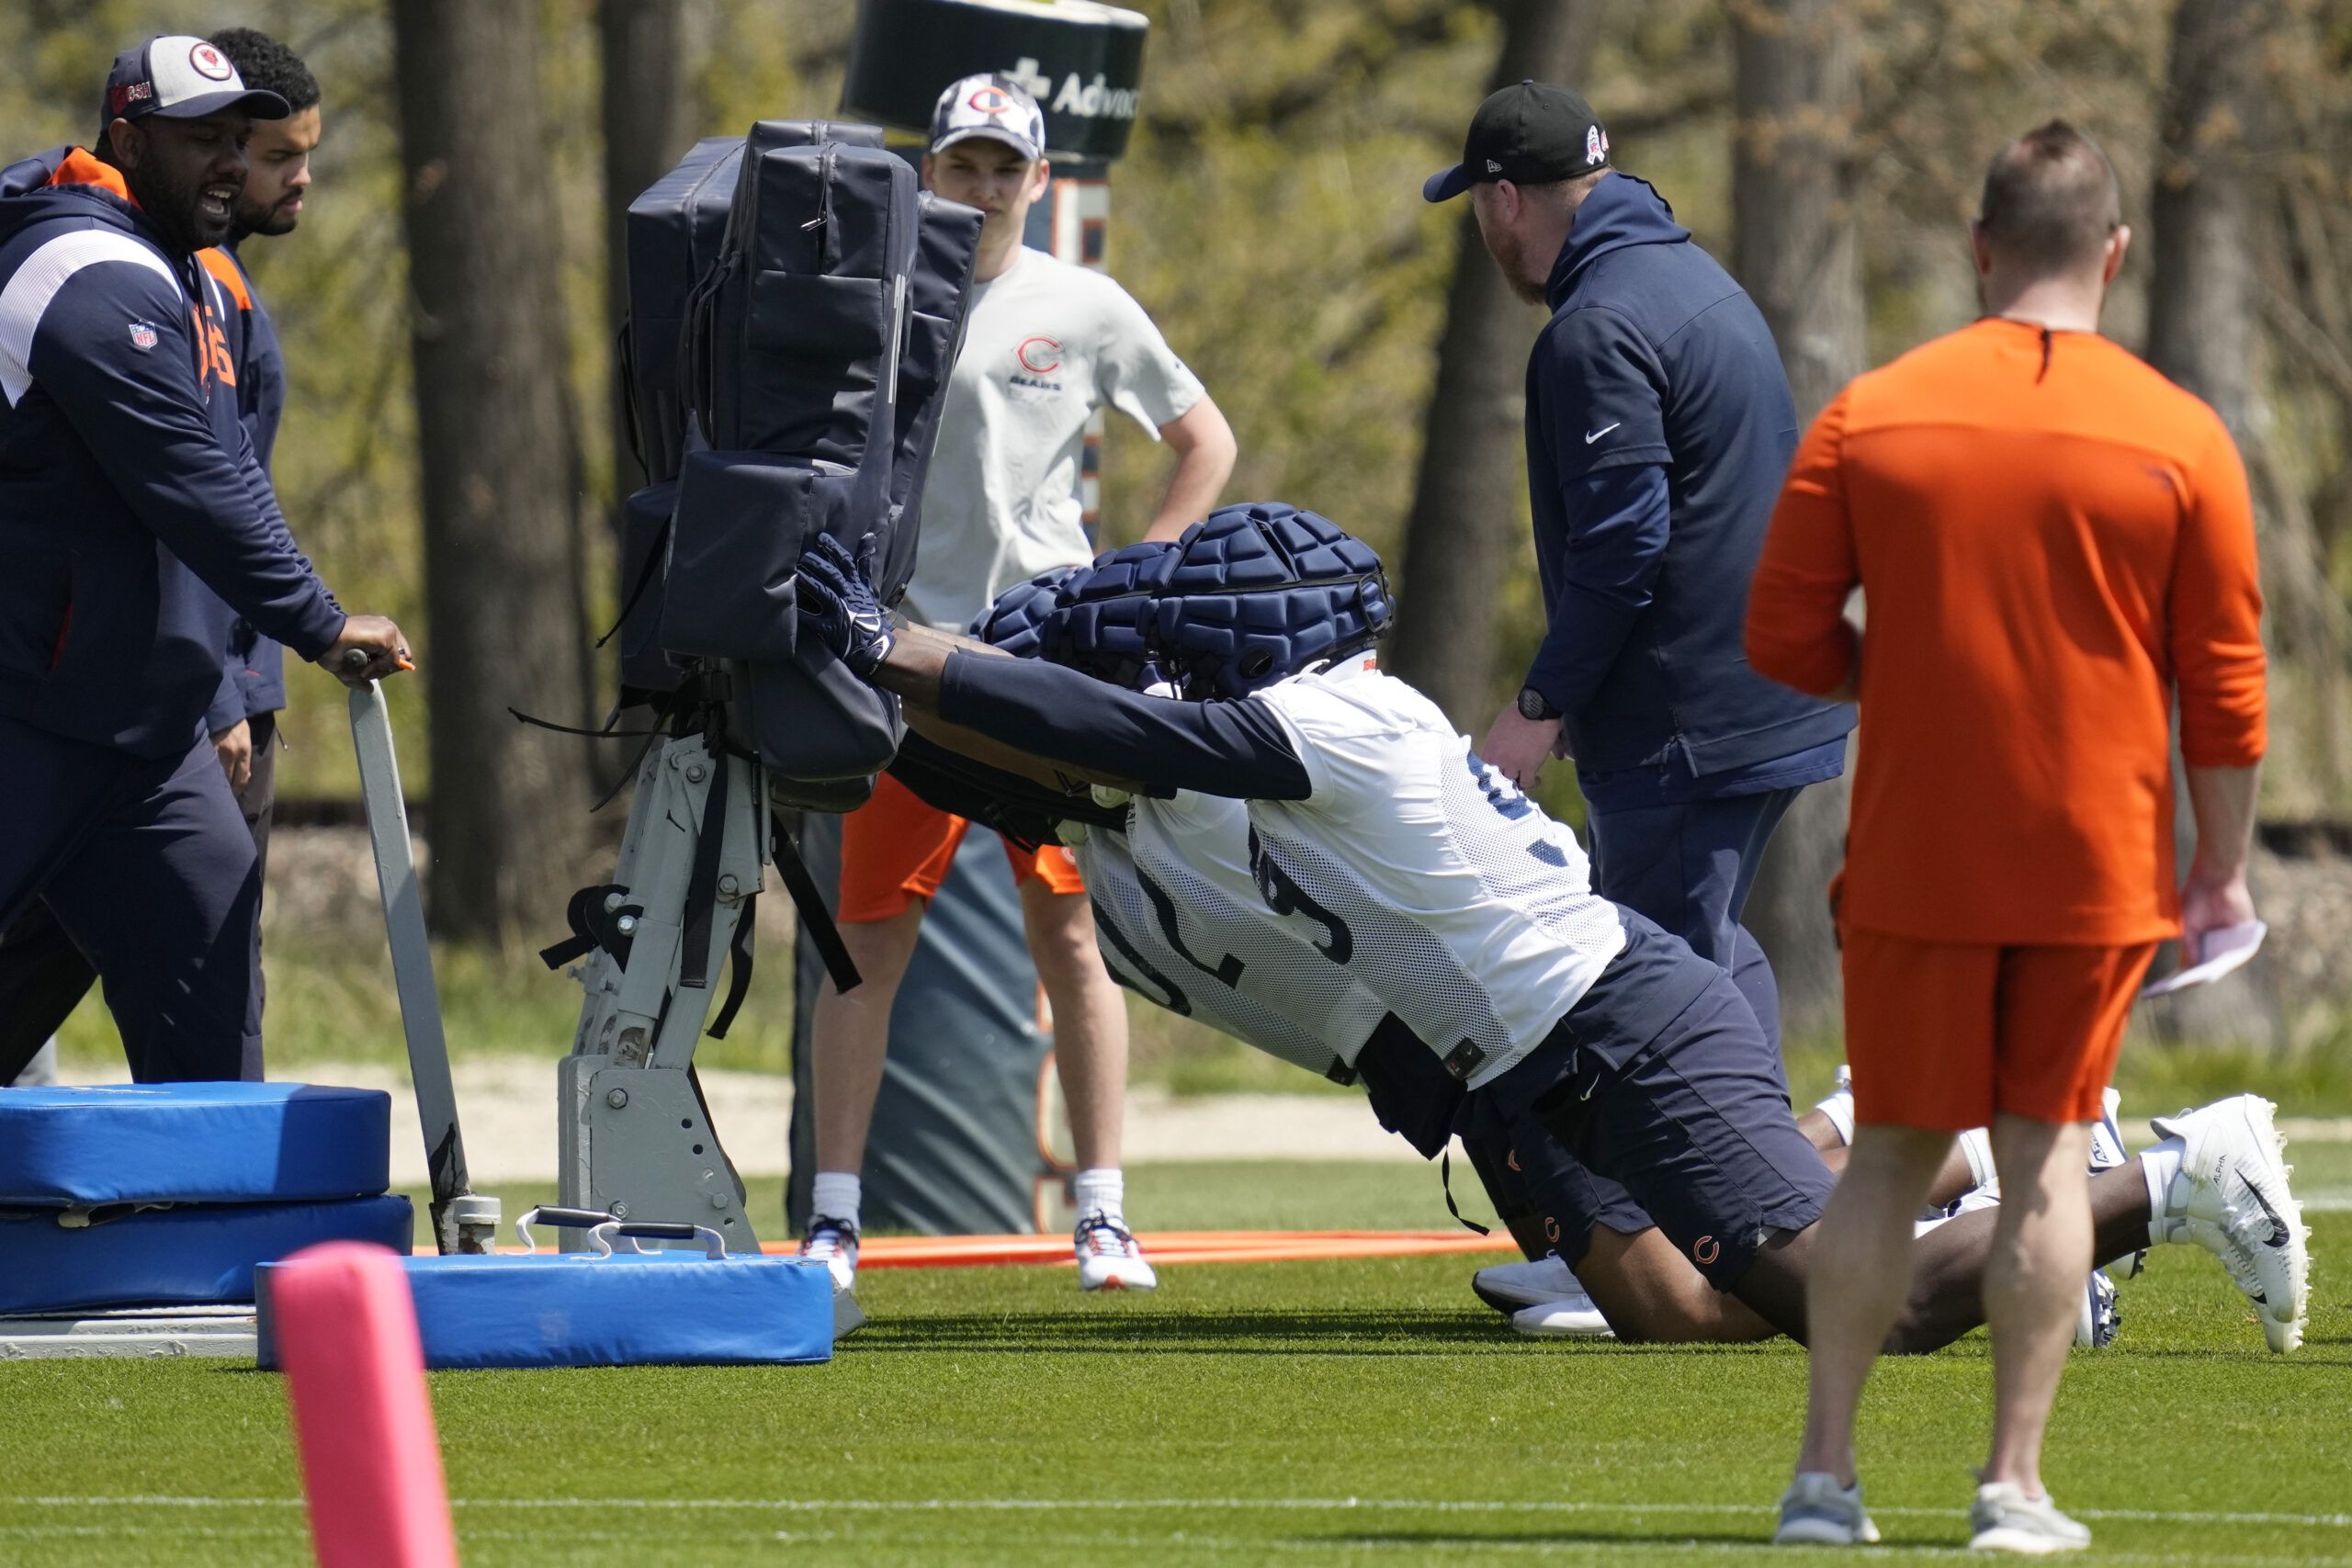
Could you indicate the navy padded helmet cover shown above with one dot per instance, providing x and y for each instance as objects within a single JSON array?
[
  {"x": 1102, "y": 624},
  {"x": 1262, "y": 590},
  {"x": 1014, "y": 622}
]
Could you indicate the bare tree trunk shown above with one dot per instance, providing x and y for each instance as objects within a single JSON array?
[
  {"x": 648, "y": 120},
  {"x": 2213, "y": 217},
  {"x": 1466, "y": 499},
  {"x": 1796, "y": 249},
  {"x": 489, "y": 339}
]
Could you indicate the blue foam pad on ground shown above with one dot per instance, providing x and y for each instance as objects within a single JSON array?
[
  {"x": 188, "y": 1257},
  {"x": 579, "y": 1310},
  {"x": 192, "y": 1143}
]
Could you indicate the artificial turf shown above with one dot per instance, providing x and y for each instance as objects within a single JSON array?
[{"x": 1338, "y": 1412}]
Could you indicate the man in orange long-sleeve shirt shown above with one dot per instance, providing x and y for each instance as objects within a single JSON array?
[{"x": 2054, "y": 541}]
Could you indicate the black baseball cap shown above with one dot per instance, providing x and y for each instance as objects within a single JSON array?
[
  {"x": 180, "y": 77},
  {"x": 1531, "y": 133}
]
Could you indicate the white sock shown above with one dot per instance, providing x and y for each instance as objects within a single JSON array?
[
  {"x": 1102, "y": 1190},
  {"x": 1839, "y": 1107},
  {"x": 1977, "y": 1147},
  {"x": 2161, "y": 1164},
  {"x": 836, "y": 1195}
]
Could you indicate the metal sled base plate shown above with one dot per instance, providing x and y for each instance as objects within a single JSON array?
[{"x": 136, "y": 1331}]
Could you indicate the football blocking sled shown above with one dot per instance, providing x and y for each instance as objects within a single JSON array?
[{"x": 795, "y": 306}]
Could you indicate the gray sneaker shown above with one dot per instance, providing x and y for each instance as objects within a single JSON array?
[
  {"x": 2003, "y": 1518},
  {"x": 1817, "y": 1511}
]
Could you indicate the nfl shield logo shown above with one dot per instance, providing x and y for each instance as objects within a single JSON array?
[
  {"x": 143, "y": 336},
  {"x": 1595, "y": 144}
]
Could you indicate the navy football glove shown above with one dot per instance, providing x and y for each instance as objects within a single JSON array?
[{"x": 838, "y": 604}]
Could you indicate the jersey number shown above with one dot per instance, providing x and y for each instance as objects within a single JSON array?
[
  {"x": 1506, "y": 798},
  {"x": 1285, "y": 896},
  {"x": 1226, "y": 972},
  {"x": 1177, "y": 1002}
]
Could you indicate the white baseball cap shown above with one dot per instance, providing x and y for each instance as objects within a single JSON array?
[
  {"x": 990, "y": 104},
  {"x": 180, "y": 77}
]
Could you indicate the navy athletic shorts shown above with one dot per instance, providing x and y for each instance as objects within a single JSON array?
[{"x": 1659, "y": 1083}]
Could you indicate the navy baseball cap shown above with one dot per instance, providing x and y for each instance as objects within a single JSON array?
[
  {"x": 180, "y": 77},
  {"x": 1531, "y": 134},
  {"x": 993, "y": 105}
]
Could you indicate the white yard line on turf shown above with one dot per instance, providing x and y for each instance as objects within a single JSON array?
[{"x": 1150, "y": 1505}]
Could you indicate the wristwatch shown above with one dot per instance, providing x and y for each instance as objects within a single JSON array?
[{"x": 1535, "y": 704}]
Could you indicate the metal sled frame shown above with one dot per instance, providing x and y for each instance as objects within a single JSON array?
[{"x": 633, "y": 1136}]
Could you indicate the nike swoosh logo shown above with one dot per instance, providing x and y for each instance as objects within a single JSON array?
[
  {"x": 1601, "y": 432},
  {"x": 2277, "y": 1225}
]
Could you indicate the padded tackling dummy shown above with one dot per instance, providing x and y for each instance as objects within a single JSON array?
[
  {"x": 938, "y": 298},
  {"x": 674, "y": 234},
  {"x": 199, "y": 1255},
  {"x": 576, "y": 1309},
  {"x": 192, "y": 1143}
]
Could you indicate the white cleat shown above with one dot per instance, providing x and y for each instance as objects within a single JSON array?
[
  {"x": 833, "y": 1243},
  {"x": 1108, "y": 1257},
  {"x": 2003, "y": 1518},
  {"x": 2099, "y": 1322},
  {"x": 2232, "y": 1198},
  {"x": 1817, "y": 1511},
  {"x": 1507, "y": 1287},
  {"x": 1567, "y": 1317}
]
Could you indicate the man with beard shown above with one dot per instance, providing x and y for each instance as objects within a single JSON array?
[
  {"x": 43, "y": 976},
  {"x": 132, "y": 500},
  {"x": 1659, "y": 427}
]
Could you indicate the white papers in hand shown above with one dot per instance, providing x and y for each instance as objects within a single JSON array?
[{"x": 2223, "y": 950}]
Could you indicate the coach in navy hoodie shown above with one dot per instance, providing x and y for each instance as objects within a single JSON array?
[
  {"x": 127, "y": 487},
  {"x": 1659, "y": 426}
]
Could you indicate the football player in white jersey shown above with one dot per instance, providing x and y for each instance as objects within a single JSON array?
[{"x": 1376, "y": 834}]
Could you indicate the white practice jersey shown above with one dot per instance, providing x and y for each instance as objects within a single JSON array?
[
  {"x": 1179, "y": 921},
  {"x": 1426, "y": 872}
]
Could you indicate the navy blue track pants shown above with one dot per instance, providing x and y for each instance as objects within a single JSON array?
[{"x": 149, "y": 867}]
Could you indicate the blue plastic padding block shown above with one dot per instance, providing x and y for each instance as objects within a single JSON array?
[
  {"x": 191, "y": 1256},
  {"x": 192, "y": 1143},
  {"x": 579, "y": 1310}
]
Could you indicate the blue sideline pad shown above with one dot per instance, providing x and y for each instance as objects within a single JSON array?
[
  {"x": 580, "y": 1310},
  {"x": 192, "y": 1143},
  {"x": 186, "y": 1257}
]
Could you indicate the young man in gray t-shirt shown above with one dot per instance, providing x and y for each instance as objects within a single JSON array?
[{"x": 1046, "y": 344}]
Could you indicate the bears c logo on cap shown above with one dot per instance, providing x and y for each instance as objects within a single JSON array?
[
  {"x": 210, "y": 64},
  {"x": 991, "y": 100}
]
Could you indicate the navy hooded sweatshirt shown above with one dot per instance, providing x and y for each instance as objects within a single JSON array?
[
  {"x": 128, "y": 484},
  {"x": 1659, "y": 427}
]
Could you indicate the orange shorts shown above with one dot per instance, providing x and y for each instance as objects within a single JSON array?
[
  {"x": 1942, "y": 1036},
  {"x": 895, "y": 848}
]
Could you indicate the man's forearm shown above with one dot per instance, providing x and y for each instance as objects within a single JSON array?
[
  {"x": 917, "y": 656},
  {"x": 1205, "y": 453},
  {"x": 2222, "y": 800}
]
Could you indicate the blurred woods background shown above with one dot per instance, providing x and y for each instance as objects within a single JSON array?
[{"x": 452, "y": 452}]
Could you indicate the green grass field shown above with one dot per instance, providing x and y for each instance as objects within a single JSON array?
[{"x": 1348, "y": 1412}]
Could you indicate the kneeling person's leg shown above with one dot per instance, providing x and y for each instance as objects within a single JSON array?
[{"x": 1697, "y": 1128}]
